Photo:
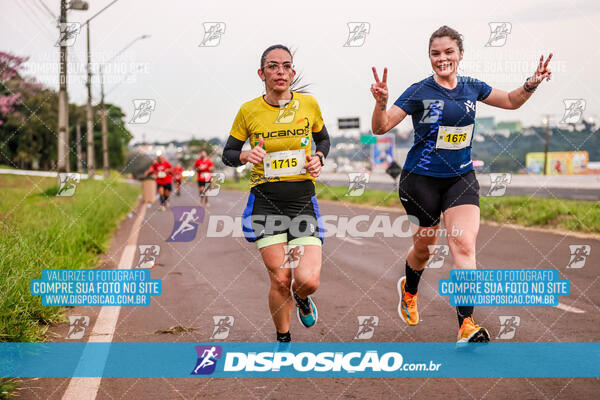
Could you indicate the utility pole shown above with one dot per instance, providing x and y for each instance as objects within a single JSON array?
[
  {"x": 63, "y": 99},
  {"x": 547, "y": 130},
  {"x": 78, "y": 144},
  {"x": 104, "y": 129},
  {"x": 91, "y": 161}
]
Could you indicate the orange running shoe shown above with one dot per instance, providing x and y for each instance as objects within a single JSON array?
[
  {"x": 407, "y": 307},
  {"x": 471, "y": 332}
]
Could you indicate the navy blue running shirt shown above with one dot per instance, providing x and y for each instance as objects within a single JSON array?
[{"x": 443, "y": 122}]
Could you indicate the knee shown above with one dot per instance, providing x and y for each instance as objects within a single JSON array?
[
  {"x": 463, "y": 245},
  {"x": 421, "y": 249},
  {"x": 308, "y": 285},
  {"x": 281, "y": 284}
]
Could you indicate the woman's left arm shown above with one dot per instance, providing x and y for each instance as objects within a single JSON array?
[{"x": 516, "y": 98}]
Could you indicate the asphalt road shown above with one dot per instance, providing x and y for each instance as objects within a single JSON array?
[{"x": 225, "y": 276}]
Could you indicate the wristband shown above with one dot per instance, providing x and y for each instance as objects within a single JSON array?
[{"x": 528, "y": 88}]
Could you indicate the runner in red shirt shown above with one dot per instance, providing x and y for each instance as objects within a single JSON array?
[
  {"x": 177, "y": 173},
  {"x": 162, "y": 171},
  {"x": 203, "y": 167}
]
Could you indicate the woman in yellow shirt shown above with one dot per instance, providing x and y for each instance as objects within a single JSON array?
[{"x": 282, "y": 215}]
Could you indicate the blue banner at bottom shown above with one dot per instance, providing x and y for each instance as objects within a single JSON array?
[{"x": 299, "y": 359}]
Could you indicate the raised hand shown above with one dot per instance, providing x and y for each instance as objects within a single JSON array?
[
  {"x": 542, "y": 72},
  {"x": 258, "y": 153},
  {"x": 379, "y": 88}
]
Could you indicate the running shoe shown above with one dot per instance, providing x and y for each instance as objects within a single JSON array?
[
  {"x": 470, "y": 332},
  {"x": 162, "y": 208},
  {"x": 306, "y": 310},
  {"x": 407, "y": 307}
]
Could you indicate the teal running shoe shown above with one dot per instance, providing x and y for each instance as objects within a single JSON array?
[{"x": 306, "y": 311}]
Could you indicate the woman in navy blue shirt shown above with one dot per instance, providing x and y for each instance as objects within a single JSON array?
[{"x": 438, "y": 176}]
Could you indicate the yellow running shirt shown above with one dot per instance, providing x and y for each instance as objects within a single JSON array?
[{"x": 287, "y": 133}]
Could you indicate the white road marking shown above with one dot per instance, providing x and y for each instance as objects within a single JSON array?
[
  {"x": 572, "y": 309},
  {"x": 104, "y": 328}
]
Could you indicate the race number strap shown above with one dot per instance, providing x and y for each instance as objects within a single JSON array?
[
  {"x": 284, "y": 163},
  {"x": 161, "y": 174},
  {"x": 454, "y": 137}
]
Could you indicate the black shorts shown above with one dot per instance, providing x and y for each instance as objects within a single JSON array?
[
  {"x": 426, "y": 197},
  {"x": 274, "y": 208},
  {"x": 203, "y": 184},
  {"x": 166, "y": 186}
]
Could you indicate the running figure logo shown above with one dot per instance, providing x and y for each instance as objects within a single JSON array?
[
  {"x": 223, "y": 324},
  {"x": 469, "y": 105},
  {"x": 186, "y": 223},
  {"x": 358, "y": 183},
  {"x": 77, "y": 325},
  {"x": 366, "y": 326},
  {"x": 357, "y": 33},
  {"x": 292, "y": 256},
  {"x": 573, "y": 111},
  {"x": 498, "y": 184},
  {"x": 432, "y": 110},
  {"x": 207, "y": 359},
  {"x": 287, "y": 111},
  {"x": 579, "y": 254},
  {"x": 508, "y": 326},
  {"x": 148, "y": 256},
  {"x": 212, "y": 34},
  {"x": 68, "y": 34},
  {"x": 67, "y": 183},
  {"x": 142, "y": 108},
  {"x": 499, "y": 32},
  {"x": 437, "y": 255},
  {"x": 214, "y": 188}
]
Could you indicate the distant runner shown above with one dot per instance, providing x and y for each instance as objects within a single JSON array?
[
  {"x": 177, "y": 174},
  {"x": 161, "y": 170},
  {"x": 203, "y": 167}
]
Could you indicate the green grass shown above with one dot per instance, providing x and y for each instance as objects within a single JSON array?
[
  {"x": 569, "y": 215},
  {"x": 40, "y": 231}
]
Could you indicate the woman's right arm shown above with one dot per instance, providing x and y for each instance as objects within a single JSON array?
[{"x": 383, "y": 120}]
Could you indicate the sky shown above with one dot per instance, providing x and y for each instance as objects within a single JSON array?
[{"x": 197, "y": 90}]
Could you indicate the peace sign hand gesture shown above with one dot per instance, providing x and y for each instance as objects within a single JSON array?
[
  {"x": 542, "y": 72},
  {"x": 379, "y": 88}
]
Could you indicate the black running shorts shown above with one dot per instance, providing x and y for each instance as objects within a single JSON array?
[
  {"x": 284, "y": 207},
  {"x": 426, "y": 197}
]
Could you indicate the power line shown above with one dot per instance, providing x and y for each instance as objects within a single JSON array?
[{"x": 54, "y": 17}]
